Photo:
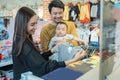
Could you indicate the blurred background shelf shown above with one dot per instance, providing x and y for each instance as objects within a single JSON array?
[{"x": 6, "y": 62}]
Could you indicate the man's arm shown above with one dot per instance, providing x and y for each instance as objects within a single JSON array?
[
  {"x": 72, "y": 30},
  {"x": 44, "y": 39}
]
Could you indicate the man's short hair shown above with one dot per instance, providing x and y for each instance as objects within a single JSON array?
[{"x": 56, "y": 3}]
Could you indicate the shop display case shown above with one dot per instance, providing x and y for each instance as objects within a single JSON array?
[{"x": 5, "y": 41}]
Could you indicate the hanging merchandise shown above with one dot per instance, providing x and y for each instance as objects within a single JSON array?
[
  {"x": 66, "y": 12},
  {"x": 84, "y": 15},
  {"x": 95, "y": 9},
  {"x": 74, "y": 11},
  {"x": 84, "y": 32},
  {"x": 95, "y": 33},
  {"x": 71, "y": 11},
  {"x": 93, "y": 12},
  {"x": 93, "y": 1},
  {"x": 83, "y": 10}
]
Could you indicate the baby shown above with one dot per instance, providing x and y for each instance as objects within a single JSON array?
[
  {"x": 61, "y": 44},
  {"x": 62, "y": 36}
]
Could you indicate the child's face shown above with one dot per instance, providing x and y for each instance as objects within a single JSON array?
[{"x": 61, "y": 30}]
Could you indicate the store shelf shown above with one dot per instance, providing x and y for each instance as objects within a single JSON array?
[{"x": 6, "y": 62}]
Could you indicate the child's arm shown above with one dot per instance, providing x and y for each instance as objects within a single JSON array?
[
  {"x": 77, "y": 39},
  {"x": 81, "y": 41}
]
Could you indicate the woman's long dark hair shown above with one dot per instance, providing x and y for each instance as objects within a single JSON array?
[{"x": 22, "y": 18}]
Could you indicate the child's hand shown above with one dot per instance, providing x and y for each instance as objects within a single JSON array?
[
  {"x": 86, "y": 44},
  {"x": 78, "y": 40}
]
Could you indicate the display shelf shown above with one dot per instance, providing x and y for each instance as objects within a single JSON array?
[{"x": 6, "y": 62}]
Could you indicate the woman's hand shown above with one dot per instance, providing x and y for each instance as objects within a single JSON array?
[
  {"x": 53, "y": 48},
  {"x": 79, "y": 55}
]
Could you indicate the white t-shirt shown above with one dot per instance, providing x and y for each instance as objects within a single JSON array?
[{"x": 94, "y": 36}]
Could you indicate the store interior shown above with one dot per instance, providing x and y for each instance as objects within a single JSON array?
[{"x": 99, "y": 25}]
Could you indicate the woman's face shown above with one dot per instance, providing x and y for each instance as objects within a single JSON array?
[
  {"x": 57, "y": 14},
  {"x": 61, "y": 30},
  {"x": 32, "y": 25}
]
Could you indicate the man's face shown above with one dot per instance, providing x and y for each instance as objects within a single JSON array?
[{"x": 57, "y": 14}]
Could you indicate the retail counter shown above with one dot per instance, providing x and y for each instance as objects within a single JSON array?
[
  {"x": 85, "y": 65},
  {"x": 84, "y": 70},
  {"x": 93, "y": 74},
  {"x": 75, "y": 71},
  {"x": 103, "y": 72}
]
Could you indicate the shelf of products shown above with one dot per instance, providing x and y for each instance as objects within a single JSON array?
[{"x": 5, "y": 53}]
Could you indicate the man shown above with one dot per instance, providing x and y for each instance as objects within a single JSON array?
[{"x": 56, "y": 9}]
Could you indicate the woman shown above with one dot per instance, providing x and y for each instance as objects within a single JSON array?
[{"x": 26, "y": 56}]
